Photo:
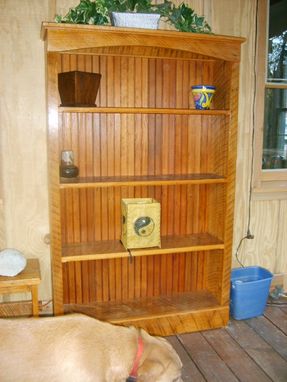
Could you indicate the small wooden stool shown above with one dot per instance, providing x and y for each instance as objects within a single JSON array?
[{"x": 26, "y": 281}]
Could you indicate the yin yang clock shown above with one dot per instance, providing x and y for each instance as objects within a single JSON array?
[{"x": 140, "y": 223}]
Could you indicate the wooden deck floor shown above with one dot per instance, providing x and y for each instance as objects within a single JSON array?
[{"x": 253, "y": 350}]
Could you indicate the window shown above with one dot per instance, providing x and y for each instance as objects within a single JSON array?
[
  {"x": 271, "y": 99},
  {"x": 275, "y": 118}
]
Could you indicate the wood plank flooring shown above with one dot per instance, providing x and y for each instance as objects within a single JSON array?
[{"x": 253, "y": 350}]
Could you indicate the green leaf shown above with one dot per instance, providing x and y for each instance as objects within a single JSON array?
[{"x": 98, "y": 12}]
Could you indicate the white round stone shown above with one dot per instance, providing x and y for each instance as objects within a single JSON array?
[{"x": 12, "y": 262}]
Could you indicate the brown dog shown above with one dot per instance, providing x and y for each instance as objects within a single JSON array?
[{"x": 77, "y": 348}]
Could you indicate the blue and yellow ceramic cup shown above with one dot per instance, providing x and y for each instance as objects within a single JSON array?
[{"x": 202, "y": 95}]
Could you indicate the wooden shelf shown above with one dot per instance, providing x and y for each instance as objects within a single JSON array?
[
  {"x": 111, "y": 249},
  {"x": 141, "y": 110},
  {"x": 160, "y": 315},
  {"x": 148, "y": 180},
  {"x": 144, "y": 123},
  {"x": 146, "y": 307}
]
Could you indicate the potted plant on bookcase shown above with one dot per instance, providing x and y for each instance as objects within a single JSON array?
[
  {"x": 134, "y": 13},
  {"x": 120, "y": 13}
]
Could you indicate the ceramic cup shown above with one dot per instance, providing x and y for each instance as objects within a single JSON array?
[{"x": 202, "y": 96}]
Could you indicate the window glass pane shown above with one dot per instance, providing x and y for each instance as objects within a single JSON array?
[
  {"x": 277, "y": 42},
  {"x": 275, "y": 118},
  {"x": 275, "y": 129}
]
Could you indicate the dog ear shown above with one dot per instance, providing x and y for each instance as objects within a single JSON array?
[
  {"x": 150, "y": 370},
  {"x": 159, "y": 359}
]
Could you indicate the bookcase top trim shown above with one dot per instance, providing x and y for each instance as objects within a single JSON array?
[{"x": 63, "y": 38}]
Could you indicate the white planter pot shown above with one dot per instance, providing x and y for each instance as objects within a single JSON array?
[{"x": 135, "y": 20}]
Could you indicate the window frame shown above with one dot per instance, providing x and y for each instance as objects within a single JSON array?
[{"x": 273, "y": 180}]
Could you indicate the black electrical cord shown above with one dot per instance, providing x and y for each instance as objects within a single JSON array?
[{"x": 237, "y": 250}]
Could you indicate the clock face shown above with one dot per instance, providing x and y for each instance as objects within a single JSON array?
[{"x": 144, "y": 226}]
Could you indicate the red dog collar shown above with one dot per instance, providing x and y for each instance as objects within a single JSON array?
[{"x": 134, "y": 372}]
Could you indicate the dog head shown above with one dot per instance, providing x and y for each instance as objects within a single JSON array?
[{"x": 160, "y": 363}]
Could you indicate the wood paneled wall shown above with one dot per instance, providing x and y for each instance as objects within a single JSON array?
[
  {"x": 23, "y": 192},
  {"x": 23, "y": 136},
  {"x": 158, "y": 276},
  {"x": 268, "y": 215}
]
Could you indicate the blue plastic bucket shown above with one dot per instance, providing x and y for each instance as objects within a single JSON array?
[{"x": 249, "y": 291}]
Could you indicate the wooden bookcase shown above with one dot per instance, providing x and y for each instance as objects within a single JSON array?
[{"x": 143, "y": 139}]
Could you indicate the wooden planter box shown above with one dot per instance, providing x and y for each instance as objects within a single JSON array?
[{"x": 78, "y": 88}]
